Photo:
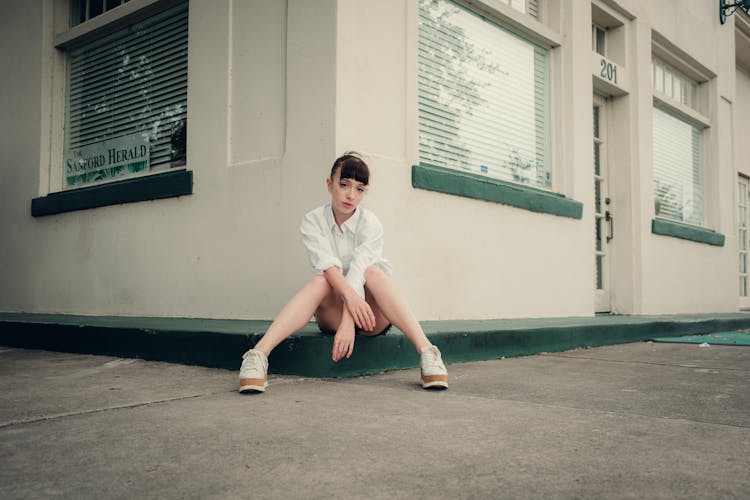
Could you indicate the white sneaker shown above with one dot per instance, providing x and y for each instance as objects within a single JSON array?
[
  {"x": 434, "y": 374},
  {"x": 254, "y": 372}
]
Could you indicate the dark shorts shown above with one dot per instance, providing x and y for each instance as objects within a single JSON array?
[{"x": 358, "y": 330}]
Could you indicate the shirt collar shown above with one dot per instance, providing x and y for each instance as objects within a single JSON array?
[{"x": 350, "y": 224}]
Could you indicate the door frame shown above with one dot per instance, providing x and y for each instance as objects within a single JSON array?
[{"x": 603, "y": 214}]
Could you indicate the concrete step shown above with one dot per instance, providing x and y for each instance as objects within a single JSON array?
[{"x": 220, "y": 343}]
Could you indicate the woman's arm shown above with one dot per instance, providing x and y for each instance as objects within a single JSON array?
[
  {"x": 343, "y": 341},
  {"x": 354, "y": 305},
  {"x": 368, "y": 251},
  {"x": 318, "y": 246}
]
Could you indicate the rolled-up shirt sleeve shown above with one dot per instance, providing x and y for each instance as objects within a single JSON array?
[
  {"x": 368, "y": 251},
  {"x": 317, "y": 245}
]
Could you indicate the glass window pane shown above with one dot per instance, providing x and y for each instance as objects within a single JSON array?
[
  {"x": 684, "y": 98},
  {"x": 742, "y": 233},
  {"x": 600, "y": 38},
  {"x": 658, "y": 77},
  {"x": 678, "y": 168},
  {"x": 127, "y": 100},
  {"x": 483, "y": 96},
  {"x": 668, "y": 82},
  {"x": 597, "y": 158},
  {"x": 519, "y": 5},
  {"x": 599, "y": 279},
  {"x": 675, "y": 84},
  {"x": 96, "y": 7},
  {"x": 596, "y": 121},
  {"x": 77, "y": 12},
  {"x": 694, "y": 95},
  {"x": 598, "y": 196}
]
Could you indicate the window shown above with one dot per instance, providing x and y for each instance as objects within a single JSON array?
[
  {"x": 597, "y": 39},
  {"x": 742, "y": 234},
  {"x": 675, "y": 84},
  {"x": 678, "y": 149},
  {"x": 126, "y": 96},
  {"x": 483, "y": 97},
  {"x": 678, "y": 168},
  {"x": 530, "y": 7},
  {"x": 83, "y": 10}
]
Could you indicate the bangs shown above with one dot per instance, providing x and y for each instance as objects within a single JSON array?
[{"x": 352, "y": 167}]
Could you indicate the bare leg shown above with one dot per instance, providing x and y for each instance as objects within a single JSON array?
[
  {"x": 381, "y": 320},
  {"x": 328, "y": 314},
  {"x": 394, "y": 307},
  {"x": 295, "y": 314}
]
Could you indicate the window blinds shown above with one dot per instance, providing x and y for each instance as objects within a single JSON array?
[
  {"x": 132, "y": 81},
  {"x": 678, "y": 168},
  {"x": 483, "y": 96}
]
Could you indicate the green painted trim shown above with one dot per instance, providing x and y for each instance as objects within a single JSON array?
[
  {"x": 666, "y": 227},
  {"x": 480, "y": 187},
  {"x": 151, "y": 187},
  {"x": 221, "y": 343}
]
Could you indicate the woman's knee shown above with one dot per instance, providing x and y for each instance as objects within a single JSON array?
[
  {"x": 373, "y": 272},
  {"x": 320, "y": 284}
]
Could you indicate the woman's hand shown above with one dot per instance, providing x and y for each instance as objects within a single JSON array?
[
  {"x": 360, "y": 311},
  {"x": 343, "y": 341}
]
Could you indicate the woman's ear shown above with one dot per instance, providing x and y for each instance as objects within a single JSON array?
[{"x": 329, "y": 184}]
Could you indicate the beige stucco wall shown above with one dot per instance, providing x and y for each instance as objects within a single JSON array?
[
  {"x": 276, "y": 91},
  {"x": 456, "y": 257},
  {"x": 679, "y": 275},
  {"x": 21, "y": 117},
  {"x": 232, "y": 248}
]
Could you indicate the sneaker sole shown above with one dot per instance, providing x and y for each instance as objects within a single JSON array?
[
  {"x": 253, "y": 385},
  {"x": 435, "y": 382}
]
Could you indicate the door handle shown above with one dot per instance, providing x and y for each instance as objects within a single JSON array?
[{"x": 609, "y": 218}]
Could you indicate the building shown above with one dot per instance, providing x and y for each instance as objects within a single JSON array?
[{"x": 531, "y": 158}]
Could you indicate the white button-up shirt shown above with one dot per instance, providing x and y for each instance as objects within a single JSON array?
[{"x": 353, "y": 247}]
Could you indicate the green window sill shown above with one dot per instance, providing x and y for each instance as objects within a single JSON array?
[
  {"x": 151, "y": 187},
  {"x": 480, "y": 187},
  {"x": 666, "y": 227}
]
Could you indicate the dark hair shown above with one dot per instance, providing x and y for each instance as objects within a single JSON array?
[{"x": 352, "y": 167}]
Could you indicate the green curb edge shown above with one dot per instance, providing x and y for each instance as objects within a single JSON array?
[{"x": 221, "y": 343}]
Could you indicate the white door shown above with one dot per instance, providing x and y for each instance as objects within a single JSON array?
[
  {"x": 743, "y": 191},
  {"x": 603, "y": 216}
]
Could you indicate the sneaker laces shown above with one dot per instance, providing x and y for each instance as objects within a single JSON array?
[
  {"x": 253, "y": 360},
  {"x": 249, "y": 353},
  {"x": 431, "y": 359}
]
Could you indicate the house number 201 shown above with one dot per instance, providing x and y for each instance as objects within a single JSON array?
[{"x": 608, "y": 71}]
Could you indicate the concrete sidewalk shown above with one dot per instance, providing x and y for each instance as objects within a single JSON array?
[{"x": 641, "y": 420}]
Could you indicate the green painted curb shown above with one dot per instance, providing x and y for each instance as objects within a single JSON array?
[
  {"x": 480, "y": 187},
  {"x": 686, "y": 232},
  {"x": 221, "y": 343}
]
